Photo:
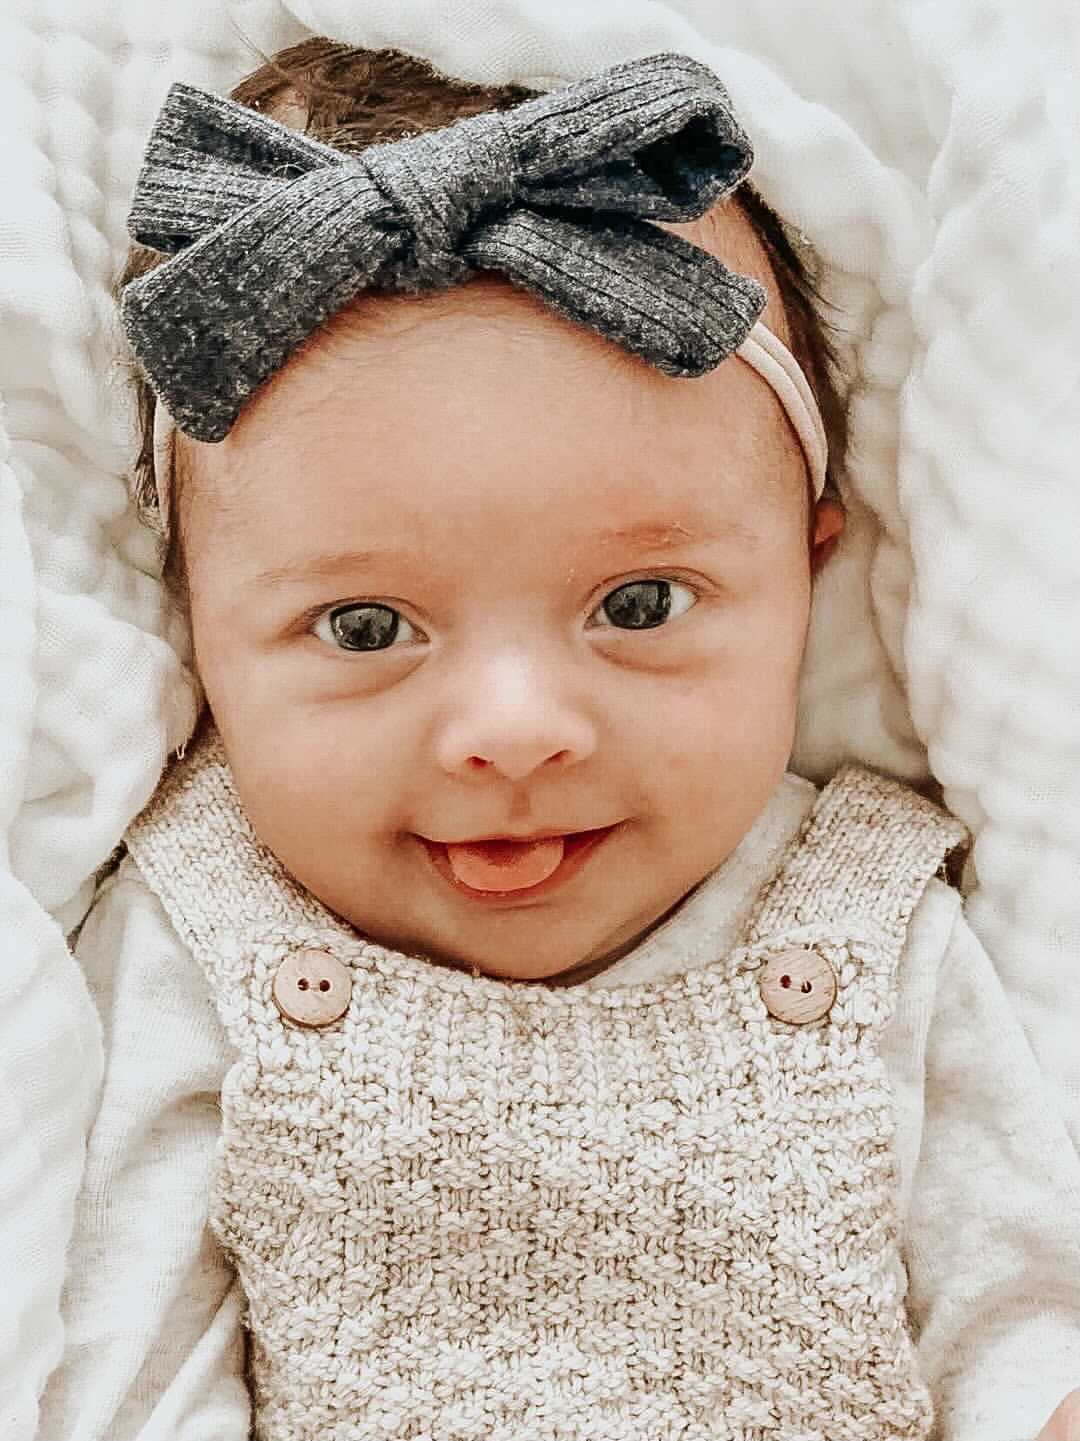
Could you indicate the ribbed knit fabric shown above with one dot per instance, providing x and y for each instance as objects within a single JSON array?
[{"x": 475, "y": 1208}]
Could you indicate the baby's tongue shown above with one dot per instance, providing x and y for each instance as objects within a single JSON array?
[{"x": 504, "y": 865}]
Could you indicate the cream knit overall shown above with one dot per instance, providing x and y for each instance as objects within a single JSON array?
[{"x": 469, "y": 1209}]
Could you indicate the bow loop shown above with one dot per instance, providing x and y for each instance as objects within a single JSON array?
[
  {"x": 655, "y": 137},
  {"x": 207, "y": 159}
]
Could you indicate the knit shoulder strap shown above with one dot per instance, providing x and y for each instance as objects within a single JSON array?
[{"x": 853, "y": 873}]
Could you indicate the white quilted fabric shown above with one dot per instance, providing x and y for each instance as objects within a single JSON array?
[{"x": 929, "y": 151}]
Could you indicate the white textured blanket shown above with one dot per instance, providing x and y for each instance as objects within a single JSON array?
[{"x": 930, "y": 151}]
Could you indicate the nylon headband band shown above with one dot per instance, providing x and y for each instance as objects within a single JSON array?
[{"x": 762, "y": 350}]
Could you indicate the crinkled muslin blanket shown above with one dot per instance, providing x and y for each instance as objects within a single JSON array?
[{"x": 929, "y": 151}]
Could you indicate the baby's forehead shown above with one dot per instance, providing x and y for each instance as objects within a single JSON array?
[
  {"x": 432, "y": 422},
  {"x": 469, "y": 417}
]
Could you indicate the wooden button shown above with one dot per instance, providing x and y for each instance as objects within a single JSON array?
[
  {"x": 798, "y": 985},
  {"x": 312, "y": 988}
]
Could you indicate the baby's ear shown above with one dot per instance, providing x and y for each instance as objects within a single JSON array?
[{"x": 830, "y": 520}]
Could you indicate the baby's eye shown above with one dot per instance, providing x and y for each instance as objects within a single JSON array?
[
  {"x": 363, "y": 627},
  {"x": 642, "y": 604},
  {"x": 638, "y": 605}
]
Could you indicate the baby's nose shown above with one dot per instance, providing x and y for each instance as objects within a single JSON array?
[{"x": 513, "y": 726}]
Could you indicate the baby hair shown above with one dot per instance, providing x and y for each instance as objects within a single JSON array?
[{"x": 351, "y": 98}]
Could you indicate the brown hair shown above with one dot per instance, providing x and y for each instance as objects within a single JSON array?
[{"x": 354, "y": 98}]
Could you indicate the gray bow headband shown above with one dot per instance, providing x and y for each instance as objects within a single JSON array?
[{"x": 272, "y": 231}]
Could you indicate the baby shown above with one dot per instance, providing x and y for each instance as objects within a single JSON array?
[{"x": 583, "y": 1071}]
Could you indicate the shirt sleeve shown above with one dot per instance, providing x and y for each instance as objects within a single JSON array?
[
  {"x": 154, "y": 1346},
  {"x": 992, "y": 1243}
]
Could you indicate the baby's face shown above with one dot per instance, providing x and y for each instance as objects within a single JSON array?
[{"x": 470, "y": 569}]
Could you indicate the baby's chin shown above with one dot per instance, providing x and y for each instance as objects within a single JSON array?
[{"x": 536, "y": 947}]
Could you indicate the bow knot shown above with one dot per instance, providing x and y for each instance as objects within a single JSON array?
[
  {"x": 271, "y": 232},
  {"x": 440, "y": 184}
]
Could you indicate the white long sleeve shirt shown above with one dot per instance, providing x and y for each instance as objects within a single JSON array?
[{"x": 989, "y": 1182}]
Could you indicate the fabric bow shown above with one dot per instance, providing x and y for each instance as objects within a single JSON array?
[{"x": 273, "y": 231}]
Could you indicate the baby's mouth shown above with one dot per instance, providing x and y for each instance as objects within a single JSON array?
[{"x": 506, "y": 867}]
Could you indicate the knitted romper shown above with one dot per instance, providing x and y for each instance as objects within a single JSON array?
[{"x": 481, "y": 1210}]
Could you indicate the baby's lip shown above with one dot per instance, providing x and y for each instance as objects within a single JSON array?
[{"x": 520, "y": 836}]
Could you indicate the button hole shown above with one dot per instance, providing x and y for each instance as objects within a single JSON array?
[
  {"x": 324, "y": 985},
  {"x": 807, "y": 986},
  {"x": 302, "y": 984},
  {"x": 785, "y": 980}
]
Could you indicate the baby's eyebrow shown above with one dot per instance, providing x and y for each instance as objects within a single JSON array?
[
  {"x": 668, "y": 535},
  {"x": 644, "y": 535}
]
